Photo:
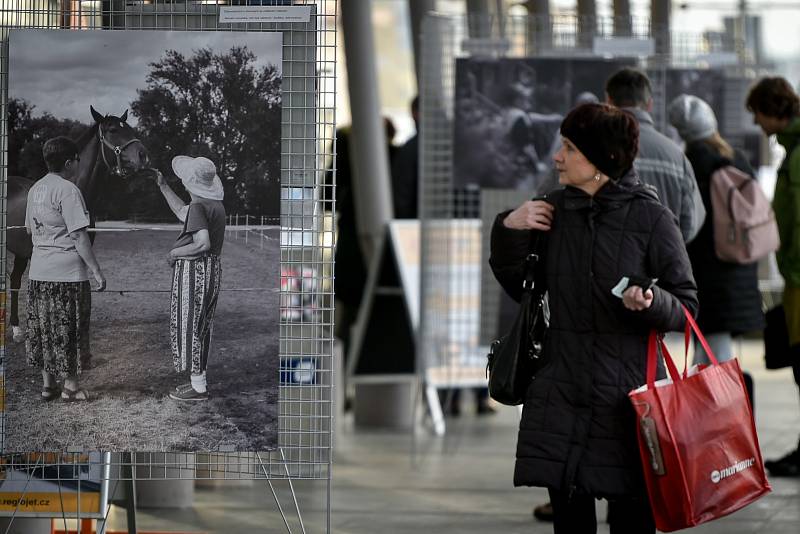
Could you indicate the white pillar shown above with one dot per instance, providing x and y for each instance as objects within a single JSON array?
[{"x": 370, "y": 158}]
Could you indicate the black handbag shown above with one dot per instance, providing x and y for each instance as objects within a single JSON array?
[
  {"x": 515, "y": 358},
  {"x": 777, "y": 352}
]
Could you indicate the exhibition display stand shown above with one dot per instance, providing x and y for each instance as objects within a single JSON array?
[{"x": 303, "y": 407}]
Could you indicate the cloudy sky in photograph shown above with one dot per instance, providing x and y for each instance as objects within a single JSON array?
[{"x": 64, "y": 72}]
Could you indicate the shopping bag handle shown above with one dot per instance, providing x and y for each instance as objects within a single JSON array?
[
  {"x": 656, "y": 340},
  {"x": 691, "y": 324}
]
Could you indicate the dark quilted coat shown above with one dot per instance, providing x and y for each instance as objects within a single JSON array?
[
  {"x": 728, "y": 292},
  {"x": 578, "y": 431}
]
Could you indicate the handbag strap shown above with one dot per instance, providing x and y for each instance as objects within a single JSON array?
[
  {"x": 532, "y": 259},
  {"x": 528, "y": 281}
]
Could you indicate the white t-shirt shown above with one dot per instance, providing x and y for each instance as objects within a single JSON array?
[{"x": 55, "y": 209}]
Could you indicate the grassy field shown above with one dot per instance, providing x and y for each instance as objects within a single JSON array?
[{"x": 132, "y": 370}]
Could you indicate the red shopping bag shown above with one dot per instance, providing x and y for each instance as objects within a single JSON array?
[{"x": 697, "y": 439}]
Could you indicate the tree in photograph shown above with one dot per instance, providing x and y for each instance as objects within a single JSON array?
[
  {"x": 27, "y": 133},
  {"x": 221, "y": 106}
]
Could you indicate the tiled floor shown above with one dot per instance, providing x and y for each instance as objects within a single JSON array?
[{"x": 461, "y": 483}]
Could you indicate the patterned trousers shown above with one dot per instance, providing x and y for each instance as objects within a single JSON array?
[{"x": 195, "y": 290}]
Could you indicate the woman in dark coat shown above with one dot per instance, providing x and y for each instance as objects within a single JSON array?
[
  {"x": 730, "y": 303},
  {"x": 577, "y": 435}
]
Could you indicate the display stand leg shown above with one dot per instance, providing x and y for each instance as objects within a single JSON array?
[
  {"x": 435, "y": 408},
  {"x": 102, "y": 523},
  {"x": 130, "y": 491},
  {"x": 275, "y": 494}
]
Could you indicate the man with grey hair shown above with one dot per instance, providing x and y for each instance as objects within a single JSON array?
[{"x": 660, "y": 163}]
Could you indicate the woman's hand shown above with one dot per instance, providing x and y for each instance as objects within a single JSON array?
[
  {"x": 100, "y": 279},
  {"x": 160, "y": 180},
  {"x": 637, "y": 300},
  {"x": 532, "y": 215},
  {"x": 171, "y": 259}
]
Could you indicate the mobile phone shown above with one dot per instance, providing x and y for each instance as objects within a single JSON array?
[{"x": 627, "y": 281}]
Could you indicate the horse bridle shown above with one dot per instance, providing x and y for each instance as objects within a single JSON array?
[{"x": 117, "y": 149}]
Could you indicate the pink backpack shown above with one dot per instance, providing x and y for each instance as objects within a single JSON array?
[{"x": 744, "y": 224}]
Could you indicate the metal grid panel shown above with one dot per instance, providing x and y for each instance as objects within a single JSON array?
[
  {"x": 452, "y": 347},
  {"x": 309, "y": 70}
]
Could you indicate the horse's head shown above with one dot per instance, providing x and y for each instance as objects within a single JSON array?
[{"x": 120, "y": 149}]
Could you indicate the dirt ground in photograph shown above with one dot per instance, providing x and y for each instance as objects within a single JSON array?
[{"x": 132, "y": 372}]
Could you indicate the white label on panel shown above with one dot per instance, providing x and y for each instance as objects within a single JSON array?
[
  {"x": 234, "y": 14},
  {"x": 624, "y": 46}
]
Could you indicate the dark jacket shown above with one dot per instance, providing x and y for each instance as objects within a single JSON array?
[
  {"x": 661, "y": 163},
  {"x": 578, "y": 431},
  {"x": 351, "y": 267},
  {"x": 728, "y": 292},
  {"x": 405, "y": 179}
]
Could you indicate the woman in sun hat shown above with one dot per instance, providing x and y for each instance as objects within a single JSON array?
[{"x": 197, "y": 271}]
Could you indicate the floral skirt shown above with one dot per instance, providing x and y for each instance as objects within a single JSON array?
[
  {"x": 57, "y": 337},
  {"x": 195, "y": 289}
]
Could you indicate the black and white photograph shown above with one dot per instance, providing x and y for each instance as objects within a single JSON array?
[
  {"x": 707, "y": 84},
  {"x": 508, "y": 113},
  {"x": 143, "y": 240}
]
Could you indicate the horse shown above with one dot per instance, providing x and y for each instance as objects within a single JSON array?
[{"x": 108, "y": 147}]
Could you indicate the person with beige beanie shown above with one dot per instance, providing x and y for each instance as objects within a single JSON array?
[{"x": 730, "y": 302}]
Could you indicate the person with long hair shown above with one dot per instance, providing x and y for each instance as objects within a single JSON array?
[{"x": 730, "y": 302}]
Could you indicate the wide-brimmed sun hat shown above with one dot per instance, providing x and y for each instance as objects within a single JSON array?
[{"x": 199, "y": 176}]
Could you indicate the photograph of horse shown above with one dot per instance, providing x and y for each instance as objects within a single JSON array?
[
  {"x": 108, "y": 149},
  {"x": 177, "y": 141}
]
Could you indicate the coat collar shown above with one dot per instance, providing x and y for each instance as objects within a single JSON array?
[
  {"x": 641, "y": 115},
  {"x": 611, "y": 196}
]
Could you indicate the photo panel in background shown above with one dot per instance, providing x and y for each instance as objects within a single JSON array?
[
  {"x": 508, "y": 113},
  {"x": 726, "y": 93},
  {"x": 707, "y": 84},
  {"x": 132, "y": 101}
]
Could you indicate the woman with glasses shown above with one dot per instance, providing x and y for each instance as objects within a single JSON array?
[{"x": 59, "y": 292}]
